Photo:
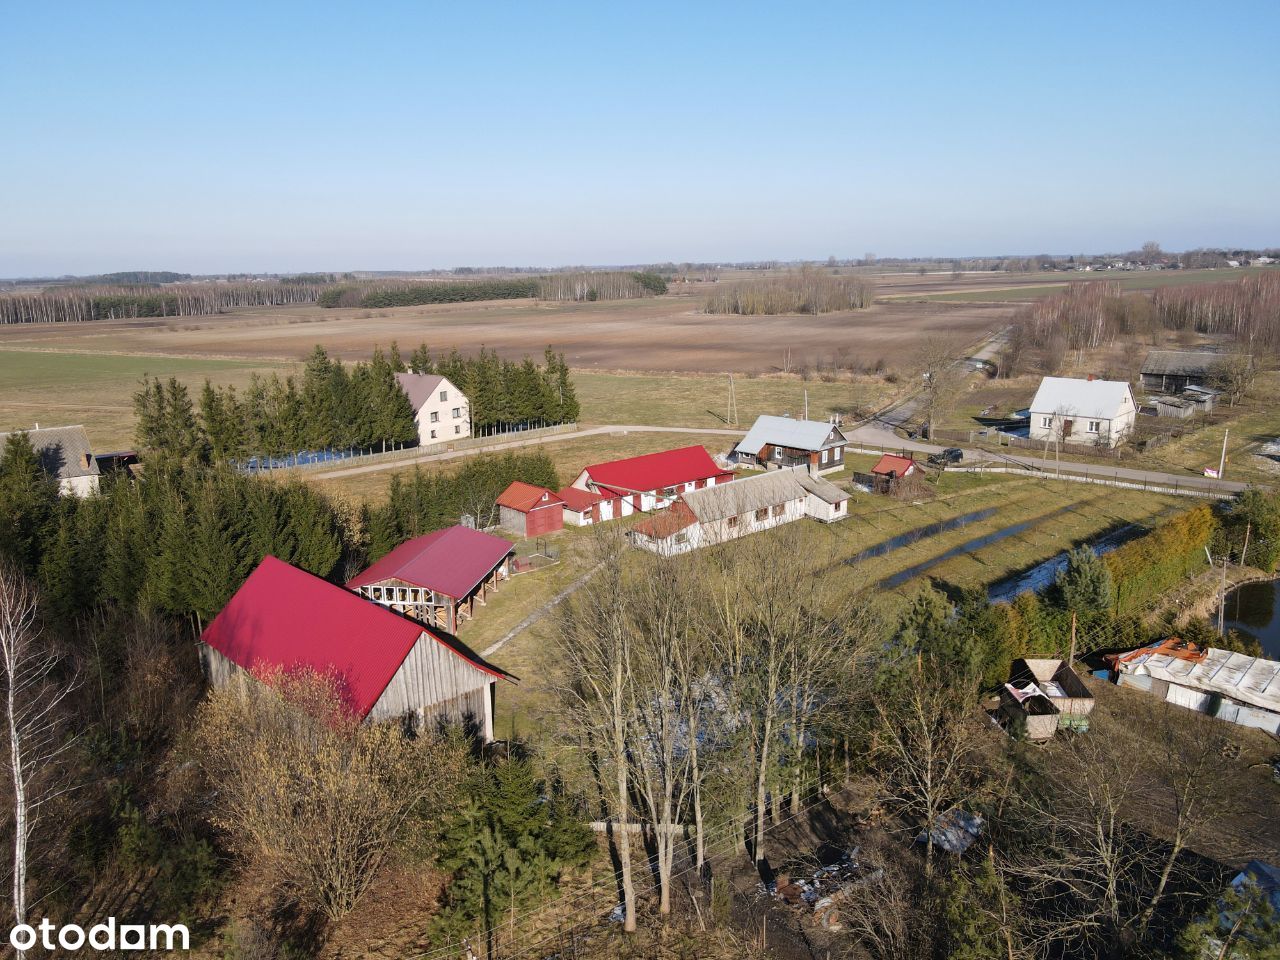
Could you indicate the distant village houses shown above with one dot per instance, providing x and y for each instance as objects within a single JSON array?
[
  {"x": 440, "y": 409},
  {"x": 712, "y": 515},
  {"x": 66, "y": 457},
  {"x": 386, "y": 665},
  {"x": 1084, "y": 411},
  {"x": 774, "y": 442}
]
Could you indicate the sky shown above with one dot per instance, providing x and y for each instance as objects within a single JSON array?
[{"x": 265, "y": 137}]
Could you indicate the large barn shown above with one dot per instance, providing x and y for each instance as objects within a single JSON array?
[
  {"x": 653, "y": 480},
  {"x": 712, "y": 515},
  {"x": 387, "y": 665},
  {"x": 438, "y": 578}
]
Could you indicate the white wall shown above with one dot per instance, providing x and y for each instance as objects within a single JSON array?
[{"x": 445, "y": 426}]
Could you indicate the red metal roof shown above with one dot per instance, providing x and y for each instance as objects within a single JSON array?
[
  {"x": 452, "y": 561},
  {"x": 285, "y": 617},
  {"x": 666, "y": 523},
  {"x": 892, "y": 463},
  {"x": 656, "y": 471},
  {"x": 526, "y": 496},
  {"x": 579, "y": 501}
]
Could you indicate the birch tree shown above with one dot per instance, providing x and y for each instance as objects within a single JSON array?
[
  {"x": 35, "y": 690},
  {"x": 599, "y": 694}
]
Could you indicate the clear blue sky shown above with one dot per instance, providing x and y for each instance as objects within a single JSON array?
[{"x": 288, "y": 136}]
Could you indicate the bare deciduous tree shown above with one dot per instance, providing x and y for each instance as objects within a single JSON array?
[
  {"x": 35, "y": 687},
  {"x": 312, "y": 794}
]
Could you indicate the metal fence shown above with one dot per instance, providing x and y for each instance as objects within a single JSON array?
[{"x": 312, "y": 459}]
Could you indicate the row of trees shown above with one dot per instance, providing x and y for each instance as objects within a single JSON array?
[
  {"x": 601, "y": 285},
  {"x": 1089, "y": 315},
  {"x": 82, "y": 304},
  {"x": 503, "y": 394},
  {"x": 335, "y": 407},
  {"x": 331, "y": 408},
  {"x": 408, "y": 294},
  {"x": 806, "y": 291}
]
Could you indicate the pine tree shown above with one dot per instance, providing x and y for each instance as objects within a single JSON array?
[
  {"x": 1084, "y": 586},
  {"x": 125, "y": 545},
  {"x": 320, "y": 405},
  {"x": 216, "y": 560},
  {"x": 393, "y": 358},
  {"x": 181, "y": 435},
  {"x": 569, "y": 408},
  {"x": 420, "y": 360},
  {"x": 28, "y": 498}
]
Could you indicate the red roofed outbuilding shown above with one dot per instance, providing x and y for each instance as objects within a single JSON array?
[
  {"x": 438, "y": 578},
  {"x": 530, "y": 511},
  {"x": 893, "y": 467},
  {"x": 652, "y": 480},
  {"x": 386, "y": 665}
]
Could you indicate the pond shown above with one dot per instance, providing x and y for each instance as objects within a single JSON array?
[{"x": 1252, "y": 609}]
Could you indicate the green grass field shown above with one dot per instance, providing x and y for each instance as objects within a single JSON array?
[
  {"x": 697, "y": 401},
  {"x": 97, "y": 389}
]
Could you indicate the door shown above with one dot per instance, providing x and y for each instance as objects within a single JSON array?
[{"x": 1066, "y": 429}]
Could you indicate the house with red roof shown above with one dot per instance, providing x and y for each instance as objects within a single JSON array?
[
  {"x": 585, "y": 507},
  {"x": 527, "y": 510},
  {"x": 440, "y": 577},
  {"x": 652, "y": 480},
  {"x": 386, "y": 665}
]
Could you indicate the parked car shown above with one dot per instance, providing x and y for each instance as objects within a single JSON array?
[{"x": 947, "y": 456}]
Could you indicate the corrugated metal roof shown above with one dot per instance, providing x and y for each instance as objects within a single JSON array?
[
  {"x": 786, "y": 432},
  {"x": 452, "y": 561},
  {"x": 748, "y": 494},
  {"x": 283, "y": 617},
  {"x": 1180, "y": 362},
  {"x": 892, "y": 463},
  {"x": 1249, "y": 680},
  {"x": 527, "y": 496},
  {"x": 666, "y": 523},
  {"x": 419, "y": 387},
  {"x": 579, "y": 501},
  {"x": 655, "y": 471},
  {"x": 64, "y": 452},
  {"x": 1071, "y": 396}
]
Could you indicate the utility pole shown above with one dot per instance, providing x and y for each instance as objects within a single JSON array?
[
  {"x": 1222, "y": 599},
  {"x": 1071, "y": 660},
  {"x": 1248, "y": 527},
  {"x": 1222, "y": 461},
  {"x": 731, "y": 415},
  {"x": 806, "y": 403}
]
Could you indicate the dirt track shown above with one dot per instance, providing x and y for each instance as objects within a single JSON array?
[{"x": 664, "y": 333}]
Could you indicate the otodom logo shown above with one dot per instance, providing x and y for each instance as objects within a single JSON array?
[{"x": 105, "y": 936}]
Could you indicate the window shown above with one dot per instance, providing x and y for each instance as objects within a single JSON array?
[
  {"x": 731, "y": 522},
  {"x": 824, "y": 456},
  {"x": 762, "y": 513},
  {"x": 1046, "y": 422},
  {"x": 457, "y": 429},
  {"x": 837, "y": 453},
  {"x": 681, "y": 538},
  {"x": 777, "y": 453},
  {"x": 433, "y": 434},
  {"x": 444, "y": 395},
  {"x": 457, "y": 412},
  {"x": 779, "y": 509},
  {"x": 1094, "y": 425},
  {"x": 435, "y": 417}
]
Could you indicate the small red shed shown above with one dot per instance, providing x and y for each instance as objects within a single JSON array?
[
  {"x": 893, "y": 467},
  {"x": 530, "y": 511}
]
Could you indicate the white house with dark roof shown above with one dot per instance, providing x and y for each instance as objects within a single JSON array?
[
  {"x": 786, "y": 442},
  {"x": 441, "y": 411},
  {"x": 66, "y": 456},
  {"x": 1073, "y": 410}
]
